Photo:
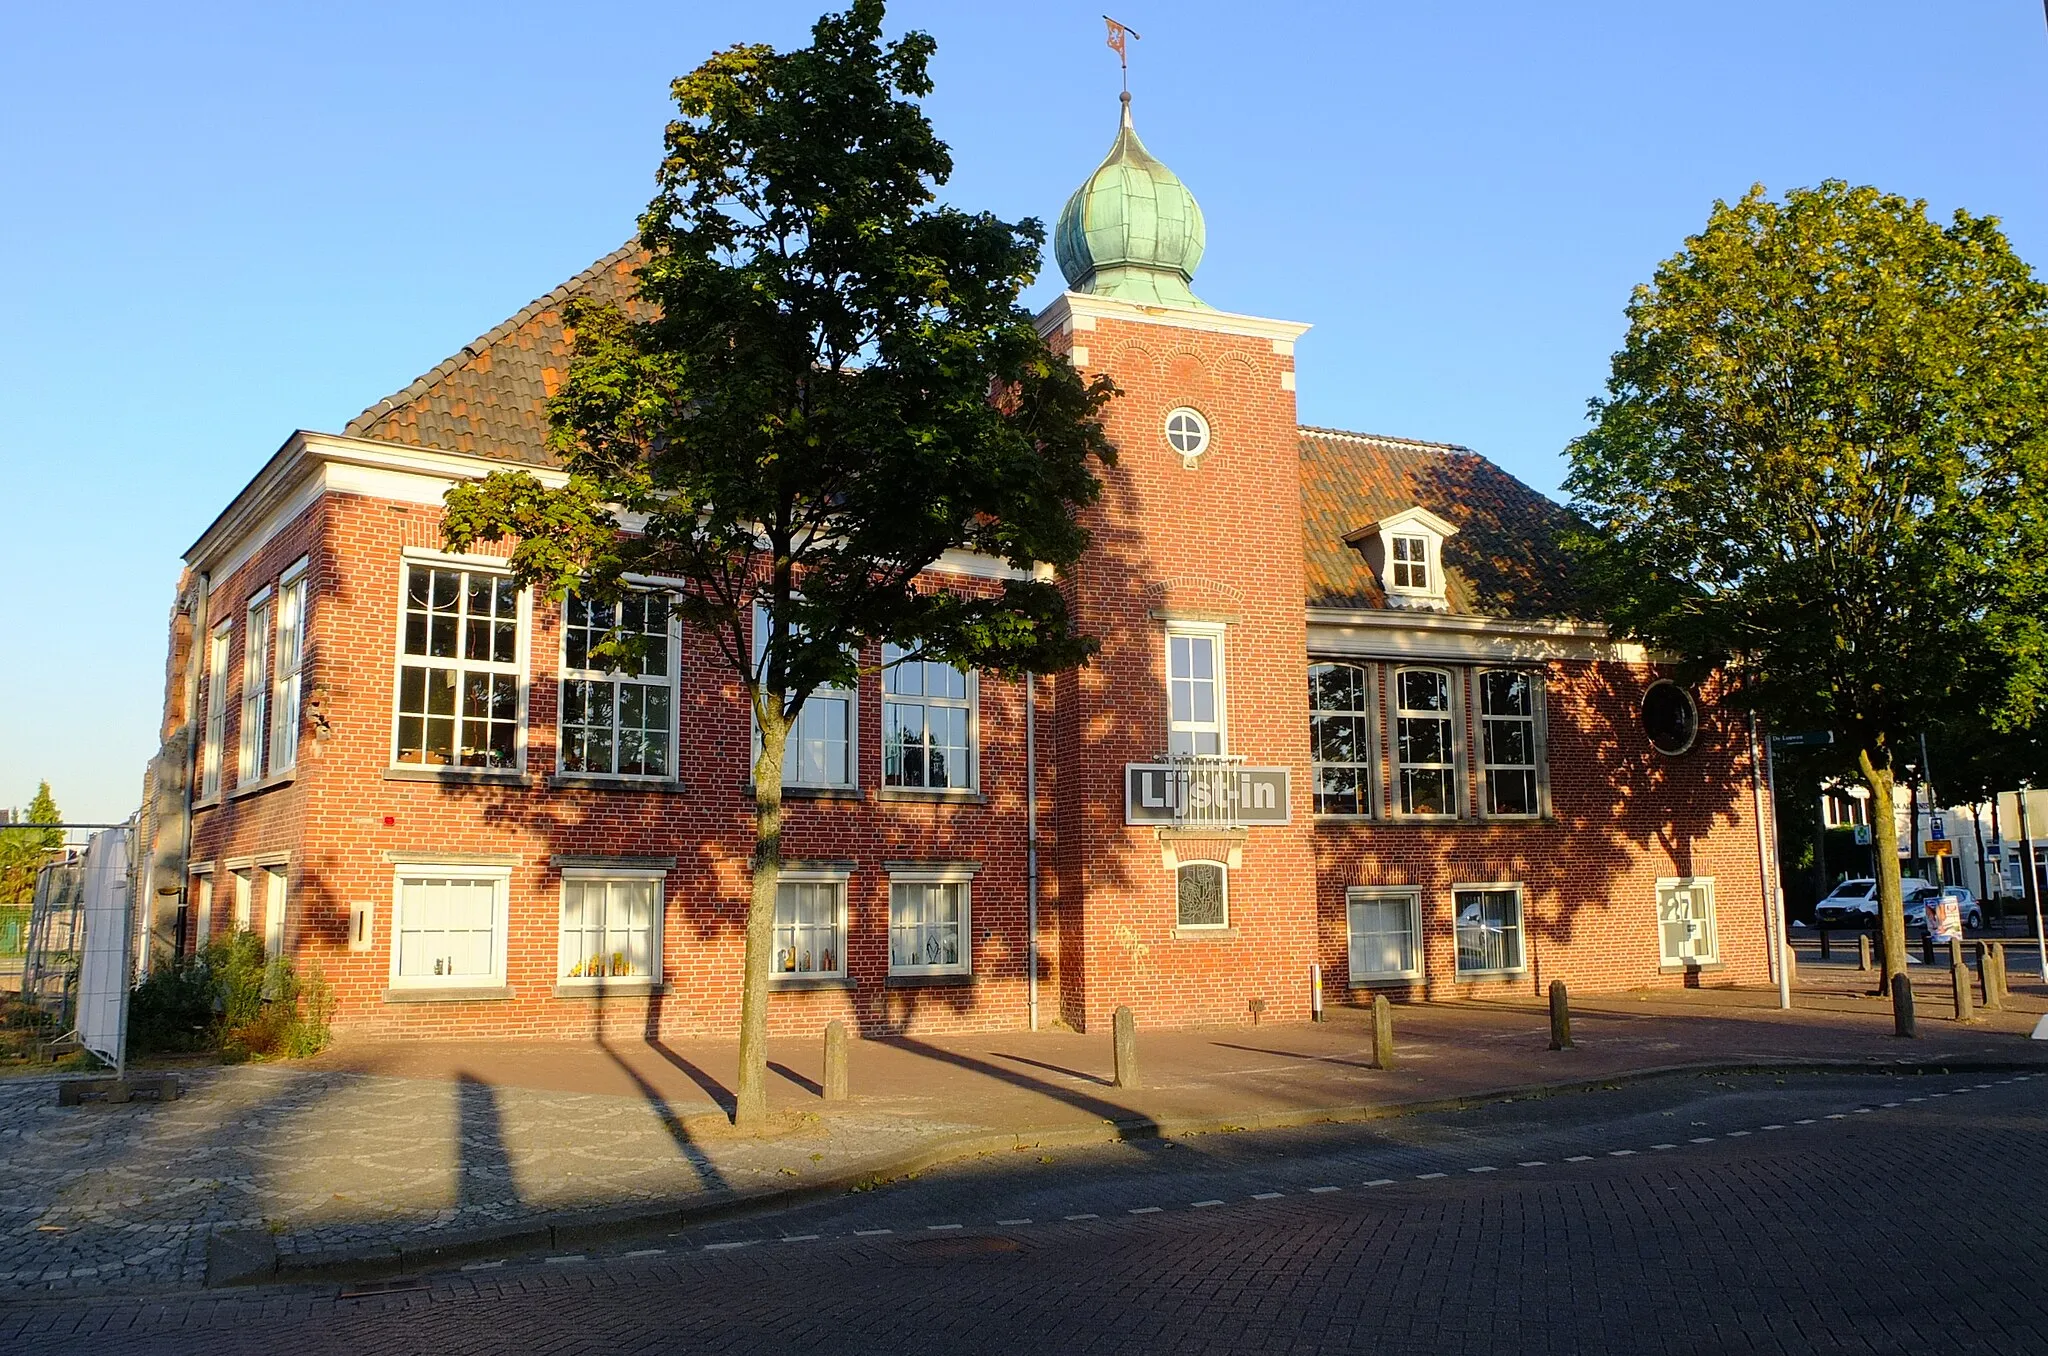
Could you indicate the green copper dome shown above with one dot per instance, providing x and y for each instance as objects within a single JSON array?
[{"x": 1132, "y": 230}]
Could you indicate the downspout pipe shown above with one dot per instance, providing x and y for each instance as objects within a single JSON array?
[{"x": 1031, "y": 847}]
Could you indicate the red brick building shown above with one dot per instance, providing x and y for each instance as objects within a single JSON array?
[{"x": 1342, "y": 718}]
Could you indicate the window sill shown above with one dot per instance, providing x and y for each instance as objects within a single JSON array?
[
  {"x": 585, "y": 782},
  {"x": 211, "y": 802},
  {"x": 451, "y": 994},
  {"x": 624, "y": 988},
  {"x": 807, "y": 985},
  {"x": 851, "y": 793},
  {"x": 457, "y": 776},
  {"x": 275, "y": 779},
  {"x": 943, "y": 795},
  {"x": 1688, "y": 967},
  {"x": 1466, "y": 976},
  {"x": 1386, "y": 981},
  {"x": 963, "y": 981},
  {"x": 1205, "y": 934}
]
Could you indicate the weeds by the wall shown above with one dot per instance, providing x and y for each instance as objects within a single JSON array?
[{"x": 228, "y": 998}]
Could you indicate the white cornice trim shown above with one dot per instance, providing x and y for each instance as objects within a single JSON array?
[
  {"x": 1072, "y": 311},
  {"x": 1414, "y": 635}
]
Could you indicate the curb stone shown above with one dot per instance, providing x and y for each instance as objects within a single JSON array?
[{"x": 246, "y": 1258}]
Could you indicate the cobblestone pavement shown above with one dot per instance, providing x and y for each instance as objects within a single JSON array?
[
  {"x": 1846, "y": 1214},
  {"x": 100, "y": 1197}
]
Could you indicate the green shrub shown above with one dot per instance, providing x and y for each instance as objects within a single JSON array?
[{"x": 229, "y": 998}]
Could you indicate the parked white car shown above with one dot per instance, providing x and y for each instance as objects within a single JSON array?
[{"x": 1853, "y": 904}]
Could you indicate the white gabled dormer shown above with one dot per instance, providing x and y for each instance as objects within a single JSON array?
[{"x": 1407, "y": 550}]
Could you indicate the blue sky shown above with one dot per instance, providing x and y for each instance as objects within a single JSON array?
[{"x": 221, "y": 223}]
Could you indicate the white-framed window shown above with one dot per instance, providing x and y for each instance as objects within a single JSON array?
[
  {"x": 459, "y": 668},
  {"x": 611, "y": 926},
  {"x": 448, "y": 926},
  {"x": 289, "y": 650},
  {"x": 1489, "y": 928},
  {"x": 930, "y": 929},
  {"x": 1686, "y": 934},
  {"x": 202, "y": 905},
  {"x": 1425, "y": 742},
  {"x": 1509, "y": 742},
  {"x": 217, "y": 645},
  {"x": 619, "y": 722},
  {"x": 1385, "y": 934},
  {"x": 1340, "y": 738},
  {"x": 1201, "y": 894},
  {"x": 272, "y": 877},
  {"x": 810, "y": 926},
  {"x": 1408, "y": 563},
  {"x": 821, "y": 747},
  {"x": 245, "y": 899},
  {"x": 1194, "y": 690},
  {"x": 1187, "y": 433},
  {"x": 253, "y": 735},
  {"x": 928, "y": 723}
]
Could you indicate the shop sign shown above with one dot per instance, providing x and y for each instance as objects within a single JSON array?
[{"x": 1222, "y": 795}]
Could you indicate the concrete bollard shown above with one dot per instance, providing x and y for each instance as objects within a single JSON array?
[
  {"x": 1987, "y": 979},
  {"x": 1959, "y": 976},
  {"x": 1791, "y": 963},
  {"x": 1382, "y": 1032},
  {"x": 1863, "y": 951},
  {"x": 1823, "y": 943},
  {"x": 1126, "y": 1042},
  {"x": 1560, "y": 1017},
  {"x": 1903, "y": 1024},
  {"x": 1955, "y": 951},
  {"x": 1927, "y": 947},
  {"x": 835, "y": 1061},
  {"x": 1998, "y": 969}
]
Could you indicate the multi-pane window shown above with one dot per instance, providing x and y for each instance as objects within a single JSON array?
[
  {"x": 1685, "y": 921},
  {"x": 1386, "y": 934},
  {"x": 618, "y": 717},
  {"x": 810, "y": 929},
  {"x": 255, "y": 730},
  {"x": 216, "y": 710},
  {"x": 1410, "y": 563},
  {"x": 448, "y": 929},
  {"x": 928, "y": 928},
  {"x": 273, "y": 880},
  {"x": 1489, "y": 928},
  {"x": 1194, "y": 693},
  {"x": 202, "y": 908},
  {"x": 1425, "y": 742},
  {"x": 1340, "y": 734},
  {"x": 611, "y": 928},
  {"x": 285, "y": 678},
  {"x": 1202, "y": 892},
  {"x": 820, "y": 747},
  {"x": 458, "y": 676},
  {"x": 245, "y": 895},
  {"x": 927, "y": 723},
  {"x": 1507, "y": 722}
]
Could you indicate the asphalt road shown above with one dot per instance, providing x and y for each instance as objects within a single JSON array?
[{"x": 1757, "y": 1214}]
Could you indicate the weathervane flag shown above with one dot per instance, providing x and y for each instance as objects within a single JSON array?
[{"x": 1117, "y": 34}]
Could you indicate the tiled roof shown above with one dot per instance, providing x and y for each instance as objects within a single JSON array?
[
  {"x": 490, "y": 400},
  {"x": 1504, "y": 560}
]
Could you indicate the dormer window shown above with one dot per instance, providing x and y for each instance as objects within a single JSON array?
[
  {"x": 1407, "y": 552},
  {"x": 1410, "y": 560}
]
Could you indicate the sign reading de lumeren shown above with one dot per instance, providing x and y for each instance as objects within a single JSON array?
[{"x": 1222, "y": 795}]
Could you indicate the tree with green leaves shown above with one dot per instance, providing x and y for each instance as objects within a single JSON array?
[
  {"x": 829, "y": 382},
  {"x": 24, "y": 850},
  {"x": 1821, "y": 466}
]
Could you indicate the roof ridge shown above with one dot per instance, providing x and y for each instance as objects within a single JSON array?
[
  {"x": 419, "y": 385},
  {"x": 1382, "y": 438}
]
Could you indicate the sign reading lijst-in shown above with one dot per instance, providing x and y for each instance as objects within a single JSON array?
[{"x": 1220, "y": 795}]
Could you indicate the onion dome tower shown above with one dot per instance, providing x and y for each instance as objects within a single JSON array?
[{"x": 1132, "y": 230}]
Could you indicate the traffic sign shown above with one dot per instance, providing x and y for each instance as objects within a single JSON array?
[
  {"x": 1937, "y": 830},
  {"x": 1805, "y": 739},
  {"x": 1862, "y": 835}
]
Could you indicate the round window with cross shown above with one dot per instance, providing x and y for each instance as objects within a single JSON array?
[{"x": 1187, "y": 433}]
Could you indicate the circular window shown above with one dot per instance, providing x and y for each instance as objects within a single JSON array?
[
  {"x": 1671, "y": 718},
  {"x": 1187, "y": 433}
]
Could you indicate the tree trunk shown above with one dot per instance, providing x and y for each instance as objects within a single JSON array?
[
  {"x": 751, "y": 1094},
  {"x": 1884, "y": 841}
]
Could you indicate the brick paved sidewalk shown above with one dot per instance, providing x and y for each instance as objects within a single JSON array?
[{"x": 405, "y": 1144}]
